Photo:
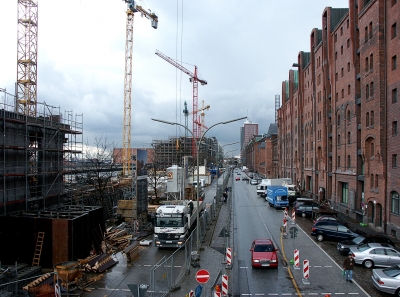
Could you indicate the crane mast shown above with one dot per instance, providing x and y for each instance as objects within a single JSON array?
[
  {"x": 195, "y": 80},
  {"x": 126, "y": 150},
  {"x": 27, "y": 52}
]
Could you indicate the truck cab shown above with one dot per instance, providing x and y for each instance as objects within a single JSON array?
[{"x": 277, "y": 196}]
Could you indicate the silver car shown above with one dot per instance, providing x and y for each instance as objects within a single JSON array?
[
  {"x": 387, "y": 280},
  {"x": 375, "y": 254}
]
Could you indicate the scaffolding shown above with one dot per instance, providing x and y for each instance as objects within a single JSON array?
[
  {"x": 172, "y": 150},
  {"x": 38, "y": 154}
]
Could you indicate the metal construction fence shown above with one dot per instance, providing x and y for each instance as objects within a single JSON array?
[{"x": 167, "y": 273}]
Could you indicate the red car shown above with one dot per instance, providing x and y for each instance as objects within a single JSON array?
[
  {"x": 237, "y": 178},
  {"x": 264, "y": 253}
]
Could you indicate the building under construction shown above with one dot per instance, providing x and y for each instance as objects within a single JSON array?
[
  {"x": 37, "y": 153},
  {"x": 171, "y": 151}
]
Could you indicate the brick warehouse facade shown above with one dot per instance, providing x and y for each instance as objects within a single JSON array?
[{"x": 338, "y": 123}]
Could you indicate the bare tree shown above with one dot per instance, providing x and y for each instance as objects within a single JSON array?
[
  {"x": 97, "y": 171},
  {"x": 156, "y": 176}
]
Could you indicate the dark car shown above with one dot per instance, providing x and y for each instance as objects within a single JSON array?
[
  {"x": 305, "y": 206},
  {"x": 343, "y": 247},
  {"x": 326, "y": 218},
  {"x": 332, "y": 230}
]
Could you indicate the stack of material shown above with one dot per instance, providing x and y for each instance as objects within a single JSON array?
[
  {"x": 42, "y": 286},
  {"x": 116, "y": 239},
  {"x": 127, "y": 210},
  {"x": 131, "y": 251},
  {"x": 98, "y": 263}
]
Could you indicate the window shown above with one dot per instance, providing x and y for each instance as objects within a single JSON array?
[
  {"x": 366, "y": 33},
  {"x": 348, "y": 89},
  {"x": 341, "y": 31},
  {"x": 376, "y": 181},
  {"x": 336, "y": 97},
  {"x": 347, "y": 24},
  {"x": 394, "y": 2},
  {"x": 348, "y": 43},
  {"x": 338, "y": 162},
  {"x": 394, "y": 30},
  {"x": 372, "y": 149},
  {"x": 348, "y": 67},
  {"x": 394, "y": 95},
  {"x": 371, "y": 62},
  {"x": 335, "y": 37},
  {"x": 338, "y": 120},
  {"x": 394, "y": 128},
  {"x": 348, "y": 116},
  {"x": 367, "y": 119},
  {"x": 338, "y": 140},
  {"x": 395, "y": 203},
  {"x": 336, "y": 76},
  {"x": 371, "y": 180},
  {"x": 372, "y": 118},
  {"x": 335, "y": 55},
  {"x": 370, "y": 30},
  {"x": 394, "y": 161},
  {"x": 348, "y": 162},
  {"x": 366, "y": 64},
  {"x": 341, "y": 72},
  {"x": 342, "y": 93},
  {"x": 341, "y": 50},
  {"x": 371, "y": 89},
  {"x": 394, "y": 62},
  {"x": 348, "y": 138},
  {"x": 367, "y": 91},
  {"x": 345, "y": 192}
]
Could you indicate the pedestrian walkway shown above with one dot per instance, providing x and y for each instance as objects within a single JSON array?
[{"x": 212, "y": 251}]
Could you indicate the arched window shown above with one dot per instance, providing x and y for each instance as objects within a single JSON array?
[
  {"x": 348, "y": 116},
  {"x": 395, "y": 203}
]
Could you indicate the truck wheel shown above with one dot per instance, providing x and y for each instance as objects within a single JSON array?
[{"x": 320, "y": 237}]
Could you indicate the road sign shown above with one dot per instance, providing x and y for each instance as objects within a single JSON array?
[{"x": 202, "y": 276}]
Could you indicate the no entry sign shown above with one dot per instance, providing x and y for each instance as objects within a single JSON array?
[{"x": 202, "y": 276}]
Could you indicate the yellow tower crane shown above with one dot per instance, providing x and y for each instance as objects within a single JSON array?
[
  {"x": 200, "y": 120},
  {"x": 126, "y": 150}
]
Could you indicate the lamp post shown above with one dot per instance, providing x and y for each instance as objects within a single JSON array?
[{"x": 198, "y": 142}]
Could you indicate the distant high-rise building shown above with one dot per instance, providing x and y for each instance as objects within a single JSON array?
[{"x": 246, "y": 133}]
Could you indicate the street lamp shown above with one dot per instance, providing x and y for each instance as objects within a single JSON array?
[{"x": 198, "y": 142}]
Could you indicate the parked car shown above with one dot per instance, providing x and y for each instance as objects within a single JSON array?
[
  {"x": 375, "y": 254},
  {"x": 331, "y": 230},
  {"x": 305, "y": 206},
  {"x": 264, "y": 253},
  {"x": 254, "y": 182},
  {"x": 387, "y": 280},
  {"x": 237, "y": 178},
  {"x": 344, "y": 246},
  {"x": 326, "y": 218}
]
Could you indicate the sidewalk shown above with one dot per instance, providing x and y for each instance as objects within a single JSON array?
[{"x": 212, "y": 253}]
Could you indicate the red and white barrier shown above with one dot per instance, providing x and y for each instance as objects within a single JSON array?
[
  {"x": 191, "y": 293},
  {"x": 224, "y": 285},
  {"x": 306, "y": 270},
  {"x": 228, "y": 256},
  {"x": 296, "y": 258},
  {"x": 293, "y": 216},
  {"x": 285, "y": 224},
  {"x": 285, "y": 213}
]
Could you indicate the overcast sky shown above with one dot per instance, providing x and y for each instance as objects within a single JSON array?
[{"x": 243, "y": 49}]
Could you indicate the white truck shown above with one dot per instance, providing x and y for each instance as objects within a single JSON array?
[
  {"x": 174, "y": 222},
  {"x": 262, "y": 187}
]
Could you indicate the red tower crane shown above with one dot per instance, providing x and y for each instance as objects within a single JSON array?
[{"x": 195, "y": 80}]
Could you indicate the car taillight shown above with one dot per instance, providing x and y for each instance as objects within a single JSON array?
[
  {"x": 380, "y": 281},
  {"x": 313, "y": 229}
]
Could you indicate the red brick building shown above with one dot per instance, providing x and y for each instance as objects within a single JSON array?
[{"x": 338, "y": 122}]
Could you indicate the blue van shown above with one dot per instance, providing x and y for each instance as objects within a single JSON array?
[{"x": 277, "y": 196}]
